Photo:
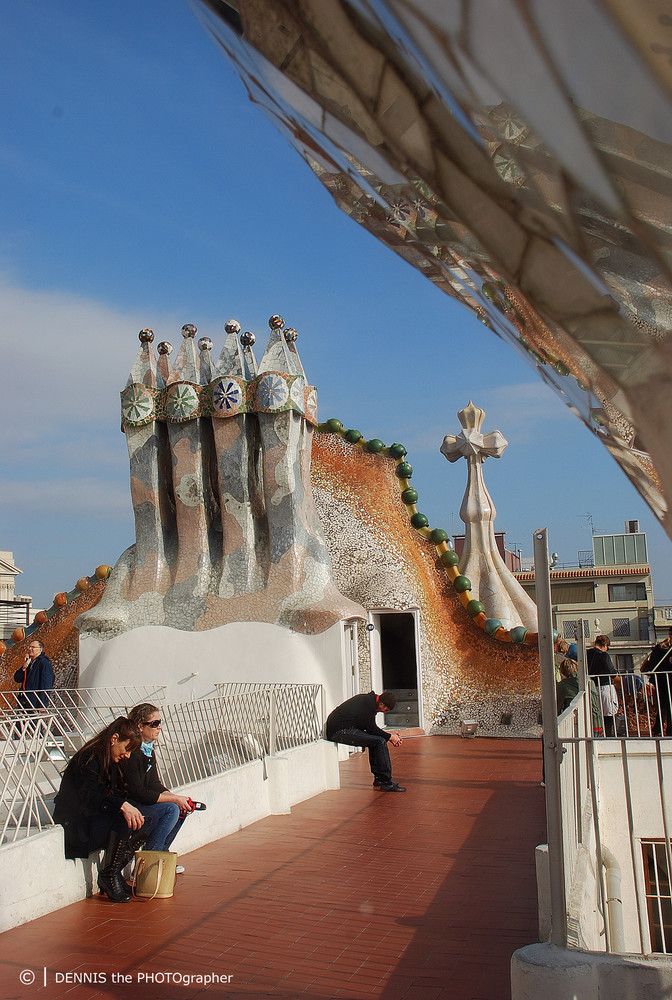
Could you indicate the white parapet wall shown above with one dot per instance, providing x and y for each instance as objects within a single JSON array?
[
  {"x": 36, "y": 878},
  {"x": 191, "y": 664},
  {"x": 544, "y": 971}
]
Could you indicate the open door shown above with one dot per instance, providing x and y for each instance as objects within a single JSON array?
[{"x": 395, "y": 664}]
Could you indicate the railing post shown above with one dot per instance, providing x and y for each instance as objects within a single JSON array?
[
  {"x": 272, "y": 725},
  {"x": 552, "y": 749}
]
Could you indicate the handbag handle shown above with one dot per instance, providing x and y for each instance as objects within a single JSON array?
[{"x": 160, "y": 865}]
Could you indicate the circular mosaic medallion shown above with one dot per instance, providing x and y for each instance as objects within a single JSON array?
[
  {"x": 297, "y": 393},
  {"x": 227, "y": 396},
  {"x": 137, "y": 404},
  {"x": 272, "y": 392},
  {"x": 181, "y": 401},
  {"x": 311, "y": 404}
]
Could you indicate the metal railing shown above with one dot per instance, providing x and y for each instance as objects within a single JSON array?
[
  {"x": 287, "y": 711},
  {"x": 608, "y": 805},
  {"x": 199, "y": 739},
  {"x": 631, "y": 705},
  {"x": 615, "y": 806},
  {"x": 78, "y": 713}
]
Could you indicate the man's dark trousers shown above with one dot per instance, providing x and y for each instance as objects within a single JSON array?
[{"x": 379, "y": 755}]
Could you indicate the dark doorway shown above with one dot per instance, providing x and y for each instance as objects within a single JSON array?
[{"x": 399, "y": 662}]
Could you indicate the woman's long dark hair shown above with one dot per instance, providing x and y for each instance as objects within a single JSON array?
[{"x": 100, "y": 746}]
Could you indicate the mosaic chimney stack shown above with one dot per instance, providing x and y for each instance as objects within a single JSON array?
[{"x": 226, "y": 529}]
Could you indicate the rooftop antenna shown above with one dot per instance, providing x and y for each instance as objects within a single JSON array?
[{"x": 593, "y": 530}]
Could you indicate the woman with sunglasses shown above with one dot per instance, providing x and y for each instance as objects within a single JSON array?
[
  {"x": 146, "y": 788},
  {"x": 93, "y": 807}
]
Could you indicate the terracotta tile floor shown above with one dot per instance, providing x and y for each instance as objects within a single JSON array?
[{"x": 356, "y": 894}]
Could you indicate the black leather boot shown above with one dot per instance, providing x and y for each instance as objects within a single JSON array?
[{"x": 110, "y": 881}]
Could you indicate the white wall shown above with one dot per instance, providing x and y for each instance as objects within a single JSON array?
[
  {"x": 191, "y": 663},
  {"x": 544, "y": 971}
]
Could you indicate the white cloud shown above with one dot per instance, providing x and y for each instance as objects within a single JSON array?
[
  {"x": 521, "y": 411},
  {"x": 65, "y": 358}
]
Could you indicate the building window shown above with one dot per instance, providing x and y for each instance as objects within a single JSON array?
[
  {"x": 577, "y": 592},
  {"x": 658, "y": 898},
  {"x": 569, "y": 630},
  {"x": 627, "y": 592},
  {"x": 644, "y": 629},
  {"x": 620, "y": 628},
  {"x": 624, "y": 663}
]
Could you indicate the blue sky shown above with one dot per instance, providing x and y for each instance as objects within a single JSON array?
[{"x": 141, "y": 188}]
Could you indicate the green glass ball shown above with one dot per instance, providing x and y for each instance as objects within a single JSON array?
[
  {"x": 375, "y": 445},
  {"x": 419, "y": 520},
  {"x": 409, "y": 495},
  {"x": 353, "y": 436},
  {"x": 475, "y": 608},
  {"x": 518, "y": 634},
  {"x": 397, "y": 450},
  {"x": 404, "y": 470},
  {"x": 462, "y": 583},
  {"x": 450, "y": 558},
  {"x": 439, "y": 535},
  {"x": 491, "y": 625},
  {"x": 333, "y": 425}
]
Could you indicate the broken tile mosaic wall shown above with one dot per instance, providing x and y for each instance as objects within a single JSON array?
[{"x": 381, "y": 560}]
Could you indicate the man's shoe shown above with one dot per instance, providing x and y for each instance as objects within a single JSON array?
[
  {"x": 377, "y": 782},
  {"x": 391, "y": 786}
]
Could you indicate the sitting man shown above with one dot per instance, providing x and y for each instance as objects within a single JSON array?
[{"x": 354, "y": 724}]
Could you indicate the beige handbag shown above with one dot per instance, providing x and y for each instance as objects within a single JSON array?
[{"x": 154, "y": 876}]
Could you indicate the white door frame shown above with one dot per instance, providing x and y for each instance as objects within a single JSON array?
[{"x": 375, "y": 653}]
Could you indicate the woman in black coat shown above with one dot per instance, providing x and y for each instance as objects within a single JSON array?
[{"x": 93, "y": 809}]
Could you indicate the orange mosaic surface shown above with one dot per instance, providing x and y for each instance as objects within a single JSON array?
[
  {"x": 60, "y": 638},
  {"x": 465, "y": 656}
]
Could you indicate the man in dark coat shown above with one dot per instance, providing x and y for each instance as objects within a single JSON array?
[
  {"x": 659, "y": 662},
  {"x": 354, "y": 724},
  {"x": 36, "y": 677}
]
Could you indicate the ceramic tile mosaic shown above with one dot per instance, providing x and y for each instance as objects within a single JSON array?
[
  {"x": 60, "y": 638},
  {"x": 495, "y": 147},
  {"x": 380, "y": 561},
  {"x": 225, "y": 524}
]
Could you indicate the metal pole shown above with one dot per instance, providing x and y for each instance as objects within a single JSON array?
[
  {"x": 552, "y": 750},
  {"x": 272, "y": 725}
]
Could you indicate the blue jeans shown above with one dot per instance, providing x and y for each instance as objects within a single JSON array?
[
  {"x": 379, "y": 755},
  {"x": 166, "y": 822}
]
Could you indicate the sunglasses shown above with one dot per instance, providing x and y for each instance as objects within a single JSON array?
[{"x": 154, "y": 724}]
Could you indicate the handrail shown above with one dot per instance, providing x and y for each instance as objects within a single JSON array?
[{"x": 200, "y": 739}]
